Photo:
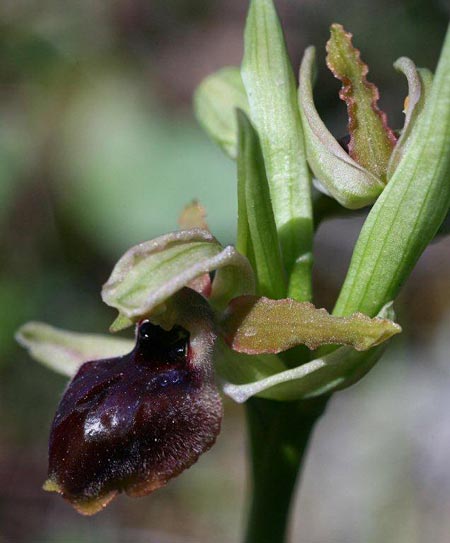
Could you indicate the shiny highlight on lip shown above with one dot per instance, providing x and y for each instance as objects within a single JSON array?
[{"x": 129, "y": 424}]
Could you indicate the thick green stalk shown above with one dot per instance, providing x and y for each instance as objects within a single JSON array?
[{"x": 279, "y": 436}]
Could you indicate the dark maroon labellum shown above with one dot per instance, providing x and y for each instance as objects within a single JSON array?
[{"x": 134, "y": 422}]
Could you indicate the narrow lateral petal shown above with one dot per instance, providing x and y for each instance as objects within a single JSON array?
[
  {"x": 256, "y": 325},
  {"x": 371, "y": 140}
]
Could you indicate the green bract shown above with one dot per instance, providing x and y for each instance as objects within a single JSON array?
[
  {"x": 257, "y": 233},
  {"x": 269, "y": 81}
]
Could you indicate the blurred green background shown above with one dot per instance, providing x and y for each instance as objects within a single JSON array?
[{"x": 98, "y": 151}]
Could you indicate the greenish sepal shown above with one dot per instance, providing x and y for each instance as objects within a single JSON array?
[
  {"x": 215, "y": 101},
  {"x": 342, "y": 177},
  {"x": 419, "y": 87},
  {"x": 271, "y": 89},
  {"x": 150, "y": 273},
  {"x": 254, "y": 196},
  {"x": 410, "y": 211},
  {"x": 64, "y": 351},
  {"x": 315, "y": 378}
]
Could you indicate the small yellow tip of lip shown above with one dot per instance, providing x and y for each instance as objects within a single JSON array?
[
  {"x": 51, "y": 486},
  {"x": 85, "y": 507},
  {"x": 95, "y": 505}
]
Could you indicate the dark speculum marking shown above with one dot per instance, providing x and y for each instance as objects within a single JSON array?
[{"x": 132, "y": 423}]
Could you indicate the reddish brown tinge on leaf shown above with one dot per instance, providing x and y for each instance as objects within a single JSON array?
[{"x": 371, "y": 139}]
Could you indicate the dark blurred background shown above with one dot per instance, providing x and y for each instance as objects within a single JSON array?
[{"x": 98, "y": 151}]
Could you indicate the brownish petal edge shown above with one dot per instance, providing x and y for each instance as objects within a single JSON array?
[{"x": 346, "y": 93}]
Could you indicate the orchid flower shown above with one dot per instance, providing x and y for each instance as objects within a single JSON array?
[{"x": 136, "y": 415}]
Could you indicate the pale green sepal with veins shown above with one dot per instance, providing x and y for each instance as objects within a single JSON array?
[
  {"x": 240, "y": 368},
  {"x": 151, "y": 272},
  {"x": 64, "y": 351}
]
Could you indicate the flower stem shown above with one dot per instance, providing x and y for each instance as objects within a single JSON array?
[{"x": 279, "y": 436}]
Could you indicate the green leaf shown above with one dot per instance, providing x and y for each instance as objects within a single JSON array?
[
  {"x": 254, "y": 196},
  {"x": 343, "y": 178},
  {"x": 410, "y": 210},
  {"x": 215, "y": 102},
  {"x": 371, "y": 140},
  {"x": 258, "y": 325},
  {"x": 419, "y": 86},
  {"x": 63, "y": 351},
  {"x": 337, "y": 370},
  {"x": 271, "y": 90},
  {"x": 149, "y": 273}
]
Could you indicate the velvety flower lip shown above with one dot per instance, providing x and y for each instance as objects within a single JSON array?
[{"x": 131, "y": 423}]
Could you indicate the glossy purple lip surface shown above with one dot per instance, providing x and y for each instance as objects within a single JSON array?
[{"x": 134, "y": 422}]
